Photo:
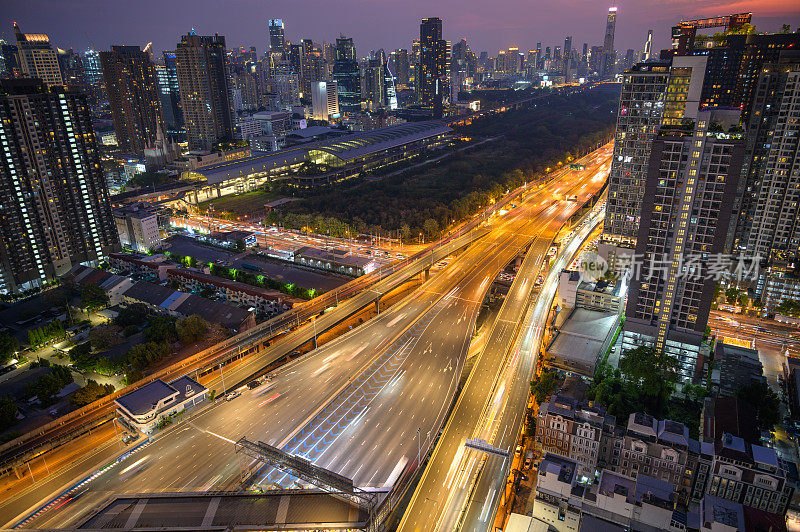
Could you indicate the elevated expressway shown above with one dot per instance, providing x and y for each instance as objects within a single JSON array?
[
  {"x": 460, "y": 487},
  {"x": 363, "y": 405}
]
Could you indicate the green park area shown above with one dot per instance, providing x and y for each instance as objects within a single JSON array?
[
  {"x": 428, "y": 199},
  {"x": 234, "y": 206}
]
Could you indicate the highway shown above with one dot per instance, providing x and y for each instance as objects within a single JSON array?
[
  {"x": 492, "y": 403},
  {"x": 407, "y": 362}
]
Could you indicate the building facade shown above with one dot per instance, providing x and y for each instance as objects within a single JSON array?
[
  {"x": 52, "y": 188},
  {"x": 206, "y": 93},
  {"x": 686, "y": 211},
  {"x": 132, "y": 90},
  {"x": 36, "y": 58},
  {"x": 324, "y": 100}
]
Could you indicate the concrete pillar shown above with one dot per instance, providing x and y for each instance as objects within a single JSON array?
[
  {"x": 378, "y": 304},
  {"x": 195, "y": 197},
  {"x": 427, "y": 273},
  {"x": 18, "y": 471}
]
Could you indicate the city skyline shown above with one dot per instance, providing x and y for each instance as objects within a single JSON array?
[{"x": 81, "y": 26}]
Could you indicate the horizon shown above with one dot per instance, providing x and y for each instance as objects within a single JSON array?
[{"x": 79, "y": 26}]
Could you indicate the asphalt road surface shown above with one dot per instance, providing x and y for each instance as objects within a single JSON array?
[{"x": 406, "y": 362}]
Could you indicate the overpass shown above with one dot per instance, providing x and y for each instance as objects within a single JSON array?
[{"x": 255, "y": 346}]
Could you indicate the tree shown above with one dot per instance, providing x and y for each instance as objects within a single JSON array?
[
  {"x": 8, "y": 347},
  {"x": 789, "y": 307},
  {"x": 91, "y": 392},
  {"x": 764, "y": 401},
  {"x": 81, "y": 356},
  {"x": 191, "y": 329},
  {"x": 731, "y": 295},
  {"x": 744, "y": 299},
  {"x": 8, "y": 412},
  {"x": 785, "y": 28},
  {"x": 161, "y": 329},
  {"x": 135, "y": 314},
  {"x": 653, "y": 372},
  {"x": 431, "y": 228},
  {"x": 544, "y": 385},
  {"x": 104, "y": 337},
  {"x": 93, "y": 297}
]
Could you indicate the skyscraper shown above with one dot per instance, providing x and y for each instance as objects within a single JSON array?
[
  {"x": 770, "y": 229},
  {"x": 132, "y": 89},
  {"x": 36, "y": 57},
  {"x": 400, "y": 66},
  {"x": 347, "y": 76},
  {"x": 169, "y": 93},
  {"x": 691, "y": 181},
  {"x": 55, "y": 205},
  {"x": 652, "y": 94},
  {"x": 206, "y": 96},
  {"x": 434, "y": 66},
  {"x": 277, "y": 39},
  {"x": 374, "y": 83},
  {"x": 324, "y": 100},
  {"x": 648, "y": 46},
  {"x": 609, "y": 56}
]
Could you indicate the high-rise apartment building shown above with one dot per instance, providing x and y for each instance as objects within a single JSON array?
[
  {"x": 204, "y": 85},
  {"x": 169, "y": 93},
  {"x": 324, "y": 100},
  {"x": 347, "y": 76},
  {"x": 36, "y": 58},
  {"x": 433, "y": 83},
  {"x": 652, "y": 94},
  {"x": 399, "y": 65},
  {"x": 609, "y": 55},
  {"x": 641, "y": 107},
  {"x": 772, "y": 204},
  {"x": 53, "y": 195},
  {"x": 686, "y": 213},
  {"x": 132, "y": 89},
  {"x": 277, "y": 38}
]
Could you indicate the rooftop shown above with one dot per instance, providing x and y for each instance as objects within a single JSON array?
[
  {"x": 142, "y": 400},
  {"x": 612, "y": 483},
  {"x": 722, "y": 511},
  {"x": 285, "y": 509},
  {"x": 558, "y": 465},
  {"x": 367, "y": 142},
  {"x": 338, "y": 257}
]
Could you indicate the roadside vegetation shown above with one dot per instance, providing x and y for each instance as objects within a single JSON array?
[{"x": 425, "y": 201}]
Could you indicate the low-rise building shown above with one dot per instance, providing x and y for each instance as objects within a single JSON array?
[
  {"x": 599, "y": 295},
  {"x": 137, "y": 226},
  {"x": 568, "y": 282},
  {"x": 143, "y": 408},
  {"x": 581, "y": 340},
  {"x": 735, "y": 367},
  {"x": 749, "y": 474},
  {"x": 573, "y": 429},
  {"x": 262, "y": 300},
  {"x": 658, "y": 448},
  {"x": 165, "y": 300},
  {"x": 339, "y": 261},
  {"x": 558, "y": 496}
]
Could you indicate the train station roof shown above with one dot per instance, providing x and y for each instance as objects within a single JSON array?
[{"x": 385, "y": 138}]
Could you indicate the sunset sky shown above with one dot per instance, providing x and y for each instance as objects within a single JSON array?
[{"x": 374, "y": 24}]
